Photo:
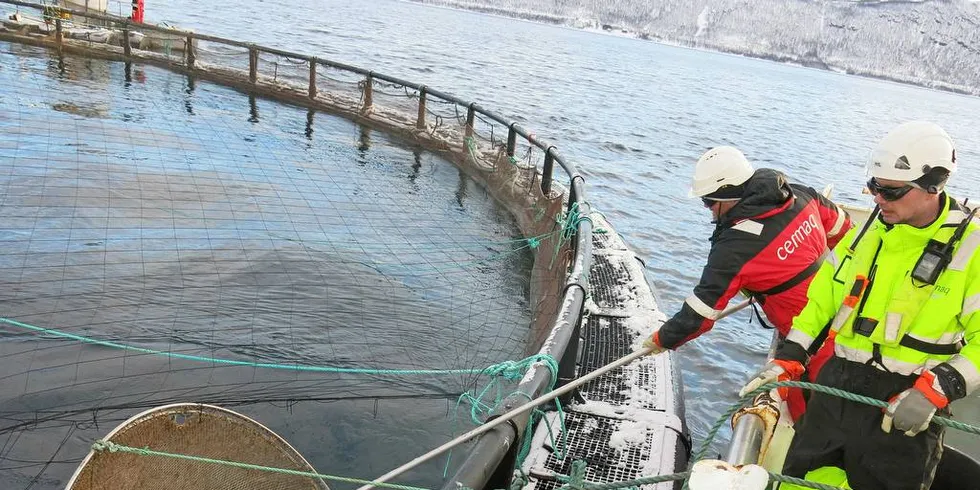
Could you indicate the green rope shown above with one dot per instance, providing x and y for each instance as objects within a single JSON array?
[
  {"x": 520, "y": 480},
  {"x": 512, "y": 371},
  {"x": 944, "y": 421},
  {"x": 725, "y": 417},
  {"x": 502, "y": 369},
  {"x": 579, "y": 465},
  {"x": 361, "y": 248},
  {"x": 646, "y": 480},
  {"x": 560, "y": 445},
  {"x": 576, "y": 478},
  {"x": 568, "y": 224},
  {"x": 102, "y": 446}
]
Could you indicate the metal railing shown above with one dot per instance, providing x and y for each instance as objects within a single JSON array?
[{"x": 491, "y": 459}]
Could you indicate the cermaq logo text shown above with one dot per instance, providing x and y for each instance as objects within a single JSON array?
[{"x": 798, "y": 237}]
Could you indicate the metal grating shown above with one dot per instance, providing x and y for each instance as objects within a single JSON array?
[
  {"x": 606, "y": 280},
  {"x": 606, "y": 339},
  {"x": 611, "y": 402},
  {"x": 589, "y": 438},
  {"x": 602, "y": 241}
]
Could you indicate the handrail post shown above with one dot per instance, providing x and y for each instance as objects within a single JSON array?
[
  {"x": 567, "y": 365},
  {"x": 127, "y": 48},
  {"x": 253, "y": 63},
  {"x": 420, "y": 122},
  {"x": 58, "y": 34},
  {"x": 368, "y": 93},
  {"x": 470, "y": 119},
  {"x": 549, "y": 165},
  {"x": 511, "y": 140},
  {"x": 189, "y": 47},
  {"x": 312, "y": 88}
]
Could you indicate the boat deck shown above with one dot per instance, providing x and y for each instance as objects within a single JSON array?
[{"x": 628, "y": 423}]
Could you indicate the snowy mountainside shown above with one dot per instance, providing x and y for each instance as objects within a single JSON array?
[{"x": 934, "y": 43}]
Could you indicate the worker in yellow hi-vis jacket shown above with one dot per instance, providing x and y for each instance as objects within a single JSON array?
[{"x": 903, "y": 295}]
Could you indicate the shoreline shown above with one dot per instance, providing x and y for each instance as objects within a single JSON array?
[{"x": 619, "y": 31}]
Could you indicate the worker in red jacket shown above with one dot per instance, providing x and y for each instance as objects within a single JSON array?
[{"x": 770, "y": 238}]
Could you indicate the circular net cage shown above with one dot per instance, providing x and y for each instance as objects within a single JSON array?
[{"x": 198, "y": 431}]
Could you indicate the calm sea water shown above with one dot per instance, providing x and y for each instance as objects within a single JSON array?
[{"x": 634, "y": 116}]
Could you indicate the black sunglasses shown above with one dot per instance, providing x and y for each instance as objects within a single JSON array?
[
  {"x": 888, "y": 193},
  {"x": 708, "y": 202}
]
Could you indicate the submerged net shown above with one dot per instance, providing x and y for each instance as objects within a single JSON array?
[
  {"x": 167, "y": 240},
  {"x": 200, "y": 431}
]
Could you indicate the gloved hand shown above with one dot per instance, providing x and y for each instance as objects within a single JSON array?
[
  {"x": 912, "y": 410},
  {"x": 653, "y": 342},
  {"x": 775, "y": 370}
]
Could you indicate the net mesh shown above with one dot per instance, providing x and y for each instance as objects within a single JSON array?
[
  {"x": 166, "y": 239},
  {"x": 194, "y": 430}
]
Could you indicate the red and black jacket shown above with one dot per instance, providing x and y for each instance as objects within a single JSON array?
[{"x": 770, "y": 244}]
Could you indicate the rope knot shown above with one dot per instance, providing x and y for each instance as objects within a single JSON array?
[{"x": 576, "y": 478}]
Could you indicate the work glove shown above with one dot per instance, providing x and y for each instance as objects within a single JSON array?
[
  {"x": 653, "y": 342},
  {"x": 912, "y": 410},
  {"x": 775, "y": 370}
]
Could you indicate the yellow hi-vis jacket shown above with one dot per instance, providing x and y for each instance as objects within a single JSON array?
[{"x": 907, "y": 326}]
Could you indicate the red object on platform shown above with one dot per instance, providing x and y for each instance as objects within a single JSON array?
[{"x": 137, "y": 11}]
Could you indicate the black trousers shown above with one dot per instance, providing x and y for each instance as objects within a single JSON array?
[{"x": 846, "y": 434}]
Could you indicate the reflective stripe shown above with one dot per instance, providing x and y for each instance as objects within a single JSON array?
[
  {"x": 967, "y": 248},
  {"x": 749, "y": 226},
  {"x": 801, "y": 338},
  {"x": 891, "y": 364},
  {"x": 967, "y": 369},
  {"x": 834, "y": 230},
  {"x": 946, "y": 338},
  {"x": 841, "y": 317},
  {"x": 893, "y": 321},
  {"x": 955, "y": 217},
  {"x": 701, "y": 308},
  {"x": 971, "y": 304}
]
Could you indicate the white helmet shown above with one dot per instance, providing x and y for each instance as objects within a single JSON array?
[
  {"x": 910, "y": 151},
  {"x": 718, "y": 167}
]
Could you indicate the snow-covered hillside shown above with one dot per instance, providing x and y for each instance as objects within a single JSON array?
[{"x": 933, "y": 42}]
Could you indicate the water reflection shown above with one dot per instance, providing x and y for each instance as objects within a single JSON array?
[
  {"x": 363, "y": 144},
  {"x": 57, "y": 66},
  {"x": 308, "y": 131},
  {"x": 253, "y": 110},
  {"x": 189, "y": 91},
  {"x": 416, "y": 165},
  {"x": 461, "y": 189}
]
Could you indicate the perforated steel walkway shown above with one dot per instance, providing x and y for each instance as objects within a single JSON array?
[{"x": 628, "y": 423}]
